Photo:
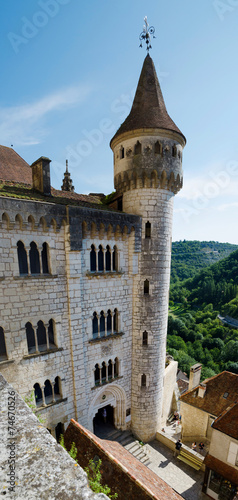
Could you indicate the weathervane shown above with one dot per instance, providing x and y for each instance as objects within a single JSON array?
[{"x": 145, "y": 35}]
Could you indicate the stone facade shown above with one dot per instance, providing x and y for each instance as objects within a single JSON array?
[{"x": 85, "y": 287}]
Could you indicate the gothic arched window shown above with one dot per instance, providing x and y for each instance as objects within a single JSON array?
[
  {"x": 100, "y": 259},
  {"x": 115, "y": 321},
  {"x": 116, "y": 367},
  {"x": 51, "y": 336},
  {"x": 97, "y": 374},
  {"x": 108, "y": 259},
  {"x": 109, "y": 322},
  {"x": 137, "y": 148},
  {"x": 95, "y": 325},
  {"x": 45, "y": 258},
  {"x": 102, "y": 324},
  {"x": 115, "y": 259},
  {"x": 34, "y": 258},
  {"x": 22, "y": 258},
  {"x": 41, "y": 336},
  {"x": 38, "y": 394},
  {"x": 30, "y": 336},
  {"x": 104, "y": 371},
  {"x": 158, "y": 148},
  {"x": 109, "y": 369},
  {"x": 93, "y": 258},
  {"x": 57, "y": 388},
  {"x": 48, "y": 392}
]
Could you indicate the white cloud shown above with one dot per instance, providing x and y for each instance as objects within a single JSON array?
[
  {"x": 227, "y": 206},
  {"x": 24, "y": 125},
  {"x": 215, "y": 181}
]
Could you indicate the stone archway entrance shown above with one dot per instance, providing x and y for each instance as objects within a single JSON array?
[
  {"x": 103, "y": 422},
  {"x": 112, "y": 396}
]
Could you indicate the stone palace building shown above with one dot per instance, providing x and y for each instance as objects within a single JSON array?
[{"x": 84, "y": 280}]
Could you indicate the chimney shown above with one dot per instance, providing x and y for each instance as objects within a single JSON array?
[
  {"x": 195, "y": 375},
  {"x": 202, "y": 390},
  {"x": 41, "y": 175}
]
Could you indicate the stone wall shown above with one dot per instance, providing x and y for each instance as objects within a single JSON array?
[
  {"x": 194, "y": 422},
  {"x": 169, "y": 387}
]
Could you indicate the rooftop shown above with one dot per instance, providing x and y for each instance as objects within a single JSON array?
[
  {"x": 227, "y": 422},
  {"x": 221, "y": 392}
]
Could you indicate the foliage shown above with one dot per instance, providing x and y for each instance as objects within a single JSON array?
[
  {"x": 195, "y": 333},
  {"x": 30, "y": 401},
  {"x": 73, "y": 450},
  {"x": 94, "y": 478}
]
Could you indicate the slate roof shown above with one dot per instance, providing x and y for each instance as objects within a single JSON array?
[
  {"x": 227, "y": 422},
  {"x": 13, "y": 167},
  {"x": 221, "y": 392},
  {"x": 222, "y": 468},
  {"x": 148, "y": 108}
]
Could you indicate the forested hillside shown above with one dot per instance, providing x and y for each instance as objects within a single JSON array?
[
  {"x": 195, "y": 334},
  {"x": 189, "y": 257}
]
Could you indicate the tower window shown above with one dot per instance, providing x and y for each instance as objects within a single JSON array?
[
  {"x": 174, "y": 151},
  {"x": 41, "y": 336},
  {"x": 115, "y": 259},
  {"x": 148, "y": 230},
  {"x": 95, "y": 325},
  {"x": 145, "y": 338},
  {"x": 3, "y": 351},
  {"x": 93, "y": 258},
  {"x": 158, "y": 148},
  {"x": 22, "y": 258},
  {"x": 122, "y": 153},
  {"x": 146, "y": 287},
  {"x": 143, "y": 380},
  {"x": 138, "y": 148},
  {"x": 102, "y": 324}
]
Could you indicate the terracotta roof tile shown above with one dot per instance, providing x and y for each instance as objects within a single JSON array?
[
  {"x": 148, "y": 108},
  {"x": 13, "y": 167},
  {"x": 227, "y": 471},
  {"x": 227, "y": 422},
  {"x": 221, "y": 392}
]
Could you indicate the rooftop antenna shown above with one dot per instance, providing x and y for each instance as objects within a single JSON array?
[{"x": 146, "y": 35}]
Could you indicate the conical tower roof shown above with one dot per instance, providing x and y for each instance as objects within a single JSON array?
[{"x": 148, "y": 108}]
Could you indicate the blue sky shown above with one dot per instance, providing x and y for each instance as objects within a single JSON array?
[{"x": 69, "y": 70}]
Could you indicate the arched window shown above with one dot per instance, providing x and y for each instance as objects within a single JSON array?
[
  {"x": 146, "y": 287},
  {"x": 3, "y": 351},
  {"x": 95, "y": 325},
  {"x": 44, "y": 258},
  {"x": 97, "y": 374},
  {"x": 93, "y": 258},
  {"x": 108, "y": 259},
  {"x": 41, "y": 336},
  {"x": 158, "y": 148},
  {"x": 115, "y": 321},
  {"x": 115, "y": 259},
  {"x": 30, "y": 336},
  {"x": 109, "y": 322},
  {"x": 100, "y": 259},
  {"x": 51, "y": 336},
  {"x": 145, "y": 338},
  {"x": 48, "y": 392},
  {"x": 143, "y": 380},
  {"x": 122, "y": 153},
  {"x": 137, "y": 148},
  {"x": 104, "y": 371},
  {"x": 174, "y": 151},
  {"x": 57, "y": 388},
  {"x": 102, "y": 324},
  {"x": 22, "y": 258},
  {"x": 148, "y": 230},
  {"x": 109, "y": 369},
  {"x": 116, "y": 367},
  {"x": 34, "y": 259},
  {"x": 38, "y": 395}
]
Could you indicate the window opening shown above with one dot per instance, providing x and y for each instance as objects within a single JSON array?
[
  {"x": 145, "y": 338},
  {"x": 143, "y": 380},
  {"x": 146, "y": 287},
  {"x": 158, "y": 148},
  {"x": 108, "y": 259},
  {"x": 51, "y": 334},
  {"x": 148, "y": 230},
  {"x": 34, "y": 259},
  {"x": 95, "y": 325},
  {"x": 93, "y": 258},
  {"x": 97, "y": 374},
  {"x": 22, "y": 258},
  {"x": 100, "y": 259},
  {"x": 109, "y": 369},
  {"x": 30, "y": 336},
  {"x": 57, "y": 388},
  {"x": 41, "y": 336},
  {"x": 116, "y": 367},
  {"x": 3, "y": 351},
  {"x": 109, "y": 322},
  {"x": 122, "y": 153},
  {"x": 44, "y": 258},
  {"x": 104, "y": 371},
  {"x": 115, "y": 321},
  {"x": 137, "y": 148},
  {"x": 115, "y": 259},
  {"x": 102, "y": 324},
  {"x": 48, "y": 392},
  {"x": 38, "y": 394}
]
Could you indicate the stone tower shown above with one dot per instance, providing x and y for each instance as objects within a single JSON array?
[{"x": 147, "y": 174}]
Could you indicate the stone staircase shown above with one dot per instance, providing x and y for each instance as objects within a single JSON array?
[{"x": 128, "y": 441}]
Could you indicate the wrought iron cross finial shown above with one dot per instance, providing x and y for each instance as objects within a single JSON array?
[{"x": 145, "y": 35}]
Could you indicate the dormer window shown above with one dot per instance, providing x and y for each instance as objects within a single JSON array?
[{"x": 225, "y": 395}]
